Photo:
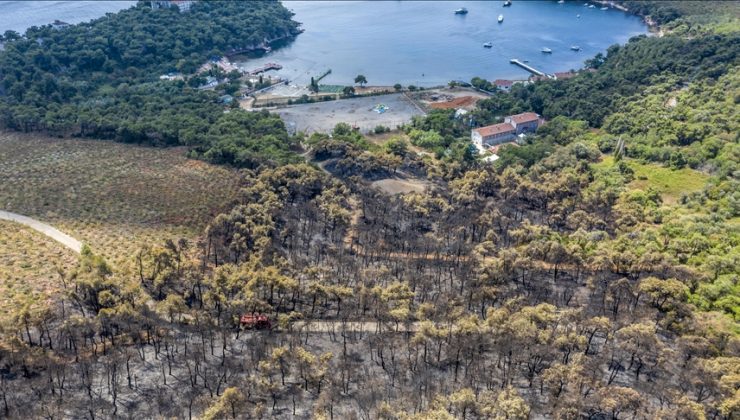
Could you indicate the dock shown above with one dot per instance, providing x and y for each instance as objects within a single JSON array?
[
  {"x": 266, "y": 67},
  {"x": 530, "y": 68}
]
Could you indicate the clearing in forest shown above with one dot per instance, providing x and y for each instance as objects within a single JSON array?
[
  {"x": 669, "y": 183},
  {"x": 395, "y": 186},
  {"x": 114, "y": 197}
]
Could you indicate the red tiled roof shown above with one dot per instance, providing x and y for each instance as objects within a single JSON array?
[
  {"x": 565, "y": 75},
  {"x": 502, "y": 82},
  {"x": 491, "y": 130},
  {"x": 525, "y": 118}
]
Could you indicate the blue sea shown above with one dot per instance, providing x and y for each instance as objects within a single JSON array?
[
  {"x": 426, "y": 44},
  {"x": 21, "y": 15},
  {"x": 409, "y": 42}
]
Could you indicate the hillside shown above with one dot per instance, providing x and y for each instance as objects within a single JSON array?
[
  {"x": 589, "y": 273},
  {"x": 101, "y": 80}
]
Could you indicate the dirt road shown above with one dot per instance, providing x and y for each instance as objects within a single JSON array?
[
  {"x": 352, "y": 326},
  {"x": 45, "y": 229}
]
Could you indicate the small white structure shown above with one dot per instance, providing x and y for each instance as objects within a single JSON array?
[
  {"x": 504, "y": 85},
  {"x": 183, "y": 5},
  {"x": 460, "y": 113},
  {"x": 490, "y": 158}
]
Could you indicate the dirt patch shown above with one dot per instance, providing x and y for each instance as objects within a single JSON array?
[
  {"x": 373, "y": 89},
  {"x": 395, "y": 186},
  {"x": 455, "y": 103}
]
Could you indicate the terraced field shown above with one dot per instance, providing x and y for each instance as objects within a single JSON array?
[
  {"x": 30, "y": 264},
  {"x": 112, "y": 196}
]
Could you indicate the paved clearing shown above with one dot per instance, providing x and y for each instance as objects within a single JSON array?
[
  {"x": 47, "y": 230},
  {"x": 321, "y": 117}
]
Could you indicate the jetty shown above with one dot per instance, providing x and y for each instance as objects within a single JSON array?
[
  {"x": 266, "y": 67},
  {"x": 530, "y": 69},
  {"x": 324, "y": 74}
]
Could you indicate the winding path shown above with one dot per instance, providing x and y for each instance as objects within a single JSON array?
[{"x": 45, "y": 229}]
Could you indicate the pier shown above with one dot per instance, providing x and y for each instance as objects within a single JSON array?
[
  {"x": 324, "y": 74},
  {"x": 530, "y": 68},
  {"x": 266, "y": 67}
]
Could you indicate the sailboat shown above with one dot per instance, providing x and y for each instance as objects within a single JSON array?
[{"x": 500, "y": 18}]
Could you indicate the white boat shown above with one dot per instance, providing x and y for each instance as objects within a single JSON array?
[
  {"x": 591, "y": 6},
  {"x": 487, "y": 45},
  {"x": 604, "y": 8},
  {"x": 546, "y": 50},
  {"x": 500, "y": 18},
  {"x": 461, "y": 11},
  {"x": 507, "y": 3},
  {"x": 575, "y": 48}
]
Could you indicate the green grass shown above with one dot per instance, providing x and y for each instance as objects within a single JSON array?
[
  {"x": 670, "y": 183},
  {"x": 331, "y": 88}
]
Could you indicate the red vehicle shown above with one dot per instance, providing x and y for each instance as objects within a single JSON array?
[{"x": 255, "y": 322}]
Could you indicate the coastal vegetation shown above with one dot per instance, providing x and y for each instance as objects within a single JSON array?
[
  {"x": 101, "y": 79},
  {"x": 590, "y": 272}
]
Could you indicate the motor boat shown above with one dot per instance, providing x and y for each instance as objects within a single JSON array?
[
  {"x": 500, "y": 18},
  {"x": 487, "y": 45},
  {"x": 507, "y": 3},
  {"x": 546, "y": 50},
  {"x": 575, "y": 48},
  {"x": 461, "y": 11}
]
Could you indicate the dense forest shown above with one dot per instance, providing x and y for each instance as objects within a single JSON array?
[
  {"x": 545, "y": 285},
  {"x": 101, "y": 79}
]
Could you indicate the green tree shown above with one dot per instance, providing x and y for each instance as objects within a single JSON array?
[{"x": 360, "y": 80}]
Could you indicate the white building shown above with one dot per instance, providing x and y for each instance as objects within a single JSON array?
[{"x": 513, "y": 126}]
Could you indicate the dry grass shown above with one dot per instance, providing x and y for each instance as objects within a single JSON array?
[
  {"x": 114, "y": 197},
  {"x": 29, "y": 264}
]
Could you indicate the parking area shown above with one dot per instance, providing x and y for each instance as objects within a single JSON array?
[{"x": 321, "y": 117}]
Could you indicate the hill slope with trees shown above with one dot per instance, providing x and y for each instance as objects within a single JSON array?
[
  {"x": 591, "y": 272},
  {"x": 101, "y": 79}
]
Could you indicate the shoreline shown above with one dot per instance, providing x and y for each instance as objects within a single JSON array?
[
  {"x": 650, "y": 28},
  {"x": 653, "y": 27}
]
